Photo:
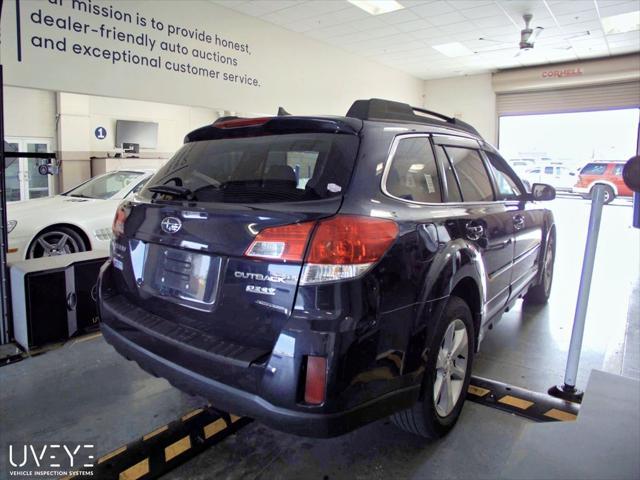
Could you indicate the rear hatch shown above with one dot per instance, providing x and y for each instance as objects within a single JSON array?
[{"x": 181, "y": 247}]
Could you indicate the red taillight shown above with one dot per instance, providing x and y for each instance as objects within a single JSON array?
[
  {"x": 316, "y": 380},
  {"x": 281, "y": 243},
  {"x": 118, "y": 221},
  {"x": 349, "y": 240},
  {"x": 242, "y": 122},
  {"x": 342, "y": 247}
]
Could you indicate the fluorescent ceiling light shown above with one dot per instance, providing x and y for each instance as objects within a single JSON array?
[
  {"x": 625, "y": 22},
  {"x": 377, "y": 7},
  {"x": 453, "y": 49}
]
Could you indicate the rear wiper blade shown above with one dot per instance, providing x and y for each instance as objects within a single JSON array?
[{"x": 173, "y": 190}]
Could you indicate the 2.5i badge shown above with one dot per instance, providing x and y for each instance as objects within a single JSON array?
[{"x": 261, "y": 290}]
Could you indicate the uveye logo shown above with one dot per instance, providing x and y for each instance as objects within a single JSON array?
[{"x": 27, "y": 460}]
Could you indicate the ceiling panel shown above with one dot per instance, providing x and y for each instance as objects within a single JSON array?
[{"x": 404, "y": 39}]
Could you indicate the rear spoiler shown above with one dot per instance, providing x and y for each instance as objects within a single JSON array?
[
  {"x": 237, "y": 127},
  {"x": 281, "y": 113}
]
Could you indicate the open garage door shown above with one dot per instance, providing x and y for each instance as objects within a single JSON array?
[{"x": 574, "y": 99}]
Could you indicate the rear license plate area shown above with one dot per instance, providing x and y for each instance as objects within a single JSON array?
[{"x": 181, "y": 276}]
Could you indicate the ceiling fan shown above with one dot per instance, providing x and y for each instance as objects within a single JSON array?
[{"x": 528, "y": 37}]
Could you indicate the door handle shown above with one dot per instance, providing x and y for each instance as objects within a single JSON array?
[
  {"x": 474, "y": 231},
  {"x": 518, "y": 222}
]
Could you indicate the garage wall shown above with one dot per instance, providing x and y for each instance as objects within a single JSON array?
[
  {"x": 605, "y": 71},
  {"x": 29, "y": 113},
  {"x": 470, "y": 98},
  {"x": 301, "y": 74},
  {"x": 80, "y": 115},
  {"x": 174, "y": 121}
]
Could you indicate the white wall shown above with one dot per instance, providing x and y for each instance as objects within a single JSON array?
[
  {"x": 29, "y": 113},
  {"x": 174, "y": 121},
  {"x": 302, "y": 74},
  {"x": 469, "y": 98},
  {"x": 80, "y": 115}
]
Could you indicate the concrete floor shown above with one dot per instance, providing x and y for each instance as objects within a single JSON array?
[{"x": 84, "y": 391}]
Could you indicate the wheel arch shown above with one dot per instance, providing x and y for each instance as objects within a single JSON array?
[
  {"x": 79, "y": 230},
  {"x": 604, "y": 182},
  {"x": 468, "y": 289},
  {"x": 456, "y": 270}
]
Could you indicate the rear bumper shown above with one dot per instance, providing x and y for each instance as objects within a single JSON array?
[{"x": 240, "y": 402}]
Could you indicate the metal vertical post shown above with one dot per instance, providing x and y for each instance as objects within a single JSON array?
[
  {"x": 568, "y": 391},
  {"x": 4, "y": 280}
]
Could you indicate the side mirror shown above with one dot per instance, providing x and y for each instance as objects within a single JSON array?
[{"x": 542, "y": 192}]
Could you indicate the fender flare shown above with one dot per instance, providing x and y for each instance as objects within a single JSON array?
[
  {"x": 604, "y": 182},
  {"x": 456, "y": 262}
]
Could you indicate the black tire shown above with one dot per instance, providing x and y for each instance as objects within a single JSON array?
[
  {"x": 539, "y": 293},
  {"x": 425, "y": 418},
  {"x": 609, "y": 195},
  {"x": 74, "y": 242}
]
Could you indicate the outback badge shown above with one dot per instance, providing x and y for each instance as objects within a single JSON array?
[{"x": 171, "y": 224}]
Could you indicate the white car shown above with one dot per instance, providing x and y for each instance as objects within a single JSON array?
[
  {"x": 75, "y": 221},
  {"x": 561, "y": 178}
]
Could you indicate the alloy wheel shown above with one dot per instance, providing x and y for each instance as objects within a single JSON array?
[
  {"x": 451, "y": 368},
  {"x": 54, "y": 243}
]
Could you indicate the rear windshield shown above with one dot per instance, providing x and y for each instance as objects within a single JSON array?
[
  {"x": 274, "y": 168},
  {"x": 594, "y": 169}
]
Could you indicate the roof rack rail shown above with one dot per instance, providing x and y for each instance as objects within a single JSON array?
[{"x": 379, "y": 109}]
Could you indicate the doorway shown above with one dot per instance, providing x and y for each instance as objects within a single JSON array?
[
  {"x": 534, "y": 144},
  {"x": 23, "y": 181}
]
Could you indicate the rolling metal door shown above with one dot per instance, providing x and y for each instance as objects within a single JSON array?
[{"x": 597, "y": 97}]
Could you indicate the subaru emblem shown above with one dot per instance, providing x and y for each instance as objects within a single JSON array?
[{"x": 171, "y": 224}]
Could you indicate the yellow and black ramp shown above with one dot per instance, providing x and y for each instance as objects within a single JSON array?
[
  {"x": 168, "y": 446},
  {"x": 536, "y": 406}
]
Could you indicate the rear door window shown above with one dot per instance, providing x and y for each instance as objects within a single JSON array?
[
  {"x": 594, "y": 169},
  {"x": 271, "y": 168},
  {"x": 413, "y": 174},
  {"x": 617, "y": 170},
  {"x": 472, "y": 174}
]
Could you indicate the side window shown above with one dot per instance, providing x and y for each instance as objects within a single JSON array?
[
  {"x": 472, "y": 175},
  {"x": 617, "y": 170},
  {"x": 413, "y": 174},
  {"x": 453, "y": 190},
  {"x": 594, "y": 169},
  {"x": 507, "y": 185},
  {"x": 548, "y": 170}
]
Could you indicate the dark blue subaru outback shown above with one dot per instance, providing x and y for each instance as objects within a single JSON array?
[{"x": 319, "y": 273}]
